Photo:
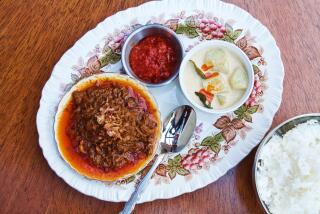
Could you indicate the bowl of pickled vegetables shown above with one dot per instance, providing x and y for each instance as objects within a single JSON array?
[{"x": 216, "y": 77}]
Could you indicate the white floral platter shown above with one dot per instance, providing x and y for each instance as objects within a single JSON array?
[{"x": 219, "y": 142}]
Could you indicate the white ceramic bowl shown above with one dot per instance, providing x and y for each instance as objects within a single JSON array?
[{"x": 233, "y": 49}]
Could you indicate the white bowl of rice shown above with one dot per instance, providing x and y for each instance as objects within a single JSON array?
[{"x": 286, "y": 169}]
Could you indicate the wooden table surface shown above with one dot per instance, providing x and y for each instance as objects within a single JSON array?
[{"x": 33, "y": 36}]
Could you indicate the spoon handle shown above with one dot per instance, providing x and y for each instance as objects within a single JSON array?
[{"x": 129, "y": 206}]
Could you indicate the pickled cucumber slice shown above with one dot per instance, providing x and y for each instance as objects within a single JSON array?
[
  {"x": 216, "y": 55},
  {"x": 217, "y": 58},
  {"x": 239, "y": 79}
]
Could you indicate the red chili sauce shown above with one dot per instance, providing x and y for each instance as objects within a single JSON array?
[{"x": 153, "y": 59}]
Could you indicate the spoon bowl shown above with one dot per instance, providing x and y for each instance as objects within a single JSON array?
[{"x": 177, "y": 130}]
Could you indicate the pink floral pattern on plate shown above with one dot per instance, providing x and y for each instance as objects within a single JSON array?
[{"x": 231, "y": 127}]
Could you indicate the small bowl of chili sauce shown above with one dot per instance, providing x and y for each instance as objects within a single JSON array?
[{"x": 152, "y": 54}]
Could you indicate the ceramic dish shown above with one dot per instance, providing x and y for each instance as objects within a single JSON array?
[
  {"x": 64, "y": 143},
  {"x": 220, "y": 141},
  {"x": 189, "y": 89},
  {"x": 280, "y": 130}
]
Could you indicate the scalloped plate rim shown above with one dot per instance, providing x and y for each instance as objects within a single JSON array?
[{"x": 189, "y": 187}]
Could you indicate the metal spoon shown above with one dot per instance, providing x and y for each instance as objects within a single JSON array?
[{"x": 177, "y": 130}]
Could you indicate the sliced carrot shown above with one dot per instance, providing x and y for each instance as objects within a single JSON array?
[
  {"x": 208, "y": 95},
  {"x": 210, "y": 87},
  {"x": 206, "y": 67},
  {"x": 209, "y": 75}
]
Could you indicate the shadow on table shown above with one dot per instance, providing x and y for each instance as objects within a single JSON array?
[{"x": 244, "y": 185}]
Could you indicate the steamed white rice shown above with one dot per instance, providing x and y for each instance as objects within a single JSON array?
[{"x": 288, "y": 179}]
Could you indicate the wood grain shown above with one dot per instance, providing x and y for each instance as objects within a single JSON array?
[{"x": 33, "y": 36}]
